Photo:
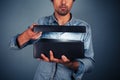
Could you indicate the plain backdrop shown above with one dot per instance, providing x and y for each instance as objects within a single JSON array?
[{"x": 102, "y": 15}]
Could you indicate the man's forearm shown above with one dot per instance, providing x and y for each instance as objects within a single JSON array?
[{"x": 22, "y": 39}]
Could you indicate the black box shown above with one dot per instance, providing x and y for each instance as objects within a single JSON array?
[{"x": 72, "y": 49}]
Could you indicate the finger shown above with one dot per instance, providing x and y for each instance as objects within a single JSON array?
[
  {"x": 56, "y": 60},
  {"x": 37, "y": 35},
  {"x": 51, "y": 55},
  {"x": 44, "y": 58},
  {"x": 65, "y": 59},
  {"x": 52, "y": 58},
  {"x": 32, "y": 26}
]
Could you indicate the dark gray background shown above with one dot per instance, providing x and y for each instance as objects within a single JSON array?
[{"x": 102, "y": 15}]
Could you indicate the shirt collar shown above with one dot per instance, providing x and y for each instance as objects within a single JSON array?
[{"x": 54, "y": 20}]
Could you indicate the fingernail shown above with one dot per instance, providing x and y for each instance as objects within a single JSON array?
[
  {"x": 63, "y": 56},
  {"x": 50, "y": 51},
  {"x": 41, "y": 54}
]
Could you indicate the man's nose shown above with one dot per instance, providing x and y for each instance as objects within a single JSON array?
[{"x": 63, "y": 1}]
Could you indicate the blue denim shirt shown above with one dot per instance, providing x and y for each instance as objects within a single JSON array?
[{"x": 55, "y": 71}]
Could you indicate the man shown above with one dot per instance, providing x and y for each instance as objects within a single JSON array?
[{"x": 53, "y": 68}]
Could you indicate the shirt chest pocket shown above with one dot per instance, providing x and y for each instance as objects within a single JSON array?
[
  {"x": 66, "y": 35},
  {"x": 72, "y": 36}
]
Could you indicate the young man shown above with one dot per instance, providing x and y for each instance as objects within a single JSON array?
[{"x": 53, "y": 68}]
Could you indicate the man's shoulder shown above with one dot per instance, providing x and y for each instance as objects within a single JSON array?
[
  {"x": 80, "y": 22},
  {"x": 44, "y": 20}
]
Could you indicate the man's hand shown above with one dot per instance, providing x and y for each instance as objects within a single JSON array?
[
  {"x": 64, "y": 60},
  {"x": 28, "y": 34}
]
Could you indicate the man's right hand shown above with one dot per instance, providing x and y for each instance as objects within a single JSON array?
[{"x": 27, "y": 35}]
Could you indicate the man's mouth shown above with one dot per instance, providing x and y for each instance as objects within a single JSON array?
[{"x": 63, "y": 8}]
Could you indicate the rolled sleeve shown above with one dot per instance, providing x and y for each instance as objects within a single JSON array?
[
  {"x": 78, "y": 75},
  {"x": 85, "y": 65},
  {"x": 13, "y": 43}
]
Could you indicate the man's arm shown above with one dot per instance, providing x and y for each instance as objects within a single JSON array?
[
  {"x": 86, "y": 64},
  {"x": 20, "y": 40}
]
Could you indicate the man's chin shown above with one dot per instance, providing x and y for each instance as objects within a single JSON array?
[{"x": 63, "y": 13}]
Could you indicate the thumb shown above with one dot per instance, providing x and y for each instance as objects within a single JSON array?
[
  {"x": 65, "y": 59},
  {"x": 33, "y": 25}
]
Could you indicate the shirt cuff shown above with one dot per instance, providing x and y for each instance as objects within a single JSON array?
[{"x": 13, "y": 44}]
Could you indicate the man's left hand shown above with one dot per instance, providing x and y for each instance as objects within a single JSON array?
[{"x": 64, "y": 60}]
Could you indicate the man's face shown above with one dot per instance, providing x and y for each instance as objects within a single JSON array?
[{"x": 62, "y": 7}]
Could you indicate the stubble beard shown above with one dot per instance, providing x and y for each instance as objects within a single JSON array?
[{"x": 64, "y": 11}]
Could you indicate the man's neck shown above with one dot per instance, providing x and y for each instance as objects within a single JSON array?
[{"x": 62, "y": 20}]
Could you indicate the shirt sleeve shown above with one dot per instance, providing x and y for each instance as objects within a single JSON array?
[
  {"x": 86, "y": 64},
  {"x": 13, "y": 43}
]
